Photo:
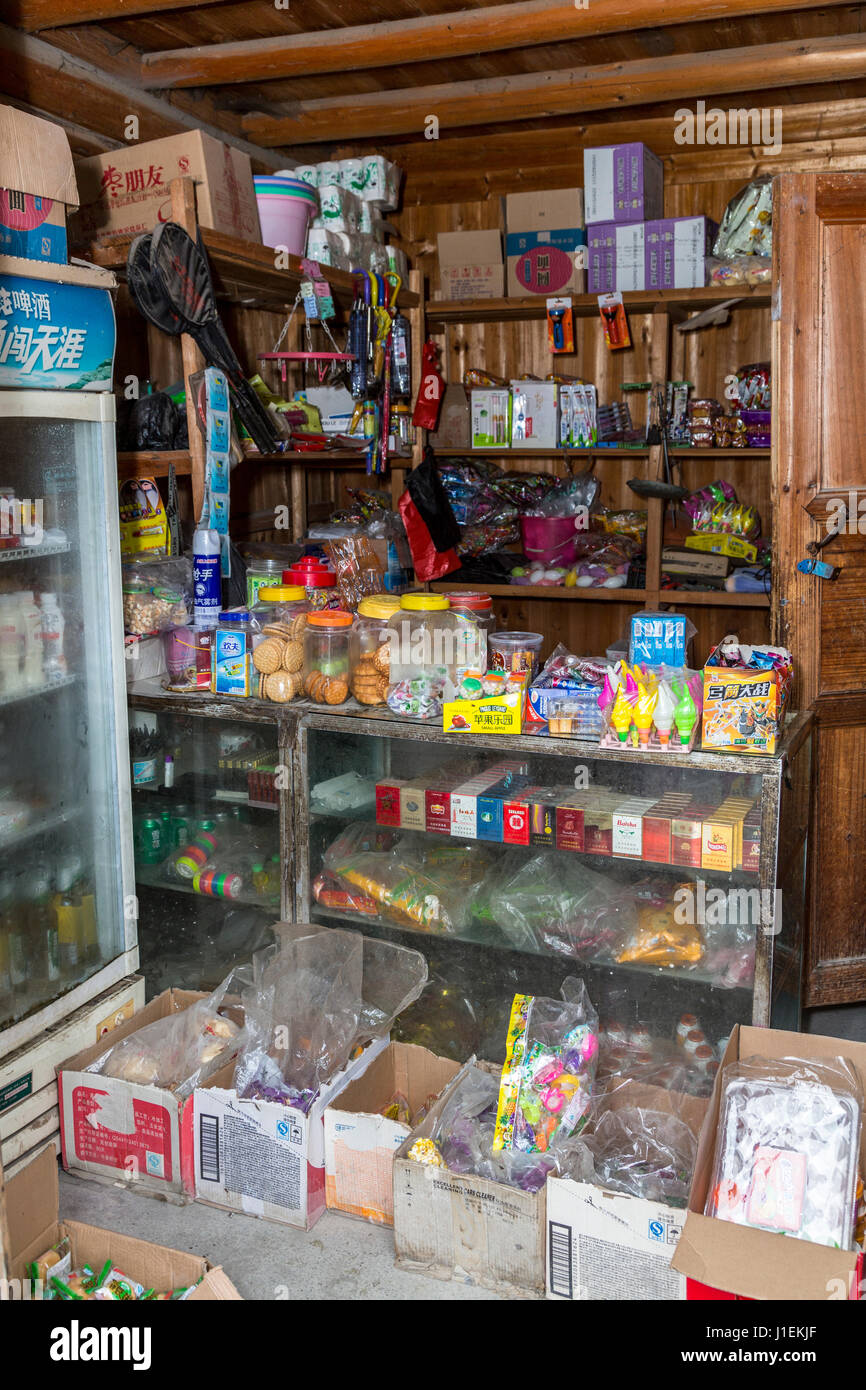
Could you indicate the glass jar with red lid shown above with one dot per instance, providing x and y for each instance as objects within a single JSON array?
[{"x": 319, "y": 582}]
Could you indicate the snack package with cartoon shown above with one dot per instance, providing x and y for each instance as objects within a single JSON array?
[
  {"x": 746, "y": 693},
  {"x": 550, "y": 1062}
]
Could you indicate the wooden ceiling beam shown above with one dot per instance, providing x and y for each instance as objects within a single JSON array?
[
  {"x": 461, "y": 155},
  {"x": 431, "y": 38},
  {"x": 40, "y": 75},
  {"x": 795, "y": 62},
  {"x": 33, "y": 15}
]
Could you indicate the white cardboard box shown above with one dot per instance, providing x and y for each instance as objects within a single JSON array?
[
  {"x": 360, "y": 1142},
  {"x": 534, "y": 415},
  {"x": 263, "y": 1158},
  {"x": 607, "y": 1245}
]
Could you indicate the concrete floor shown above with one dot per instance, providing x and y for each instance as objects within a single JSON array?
[{"x": 341, "y": 1258}]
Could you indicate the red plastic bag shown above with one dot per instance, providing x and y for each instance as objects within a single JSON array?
[
  {"x": 431, "y": 528},
  {"x": 430, "y": 391}
]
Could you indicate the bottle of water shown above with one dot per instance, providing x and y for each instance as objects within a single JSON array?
[{"x": 207, "y": 586}]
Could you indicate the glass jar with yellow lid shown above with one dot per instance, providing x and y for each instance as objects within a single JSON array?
[
  {"x": 430, "y": 651},
  {"x": 370, "y": 648}
]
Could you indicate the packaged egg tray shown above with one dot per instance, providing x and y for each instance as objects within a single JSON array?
[{"x": 787, "y": 1149}]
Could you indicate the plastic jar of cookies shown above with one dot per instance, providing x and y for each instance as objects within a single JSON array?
[
  {"x": 278, "y": 655},
  {"x": 284, "y": 604},
  {"x": 327, "y": 640},
  {"x": 369, "y": 650}
]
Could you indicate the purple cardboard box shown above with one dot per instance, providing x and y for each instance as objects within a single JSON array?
[
  {"x": 663, "y": 254},
  {"x": 622, "y": 183}
]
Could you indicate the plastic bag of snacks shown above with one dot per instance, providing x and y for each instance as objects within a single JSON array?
[
  {"x": 753, "y": 386},
  {"x": 787, "y": 1149},
  {"x": 739, "y": 270},
  {"x": 550, "y": 1062},
  {"x": 311, "y": 1000},
  {"x": 64, "y": 1283},
  {"x": 662, "y": 939},
  {"x": 645, "y": 1153},
  {"x": 746, "y": 228},
  {"x": 180, "y": 1051},
  {"x": 553, "y": 903},
  {"x": 357, "y": 567},
  {"x": 157, "y": 594}
]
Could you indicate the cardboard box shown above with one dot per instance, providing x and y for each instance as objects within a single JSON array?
[
  {"x": 545, "y": 242},
  {"x": 471, "y": 265},
  {"x": 37, "y": 186},
  {"x": 627, "y": 827},
  {"x": 263, "y": 1158},
  {"x": 491, "y": 418},
  {"x": 114, "y": 1130},
  {"x": 127, "y": 191},
  {"x": 610, "y": 1246},
  {"x": 455, "y": 1226},
  {"x": 658, "y": 639},
  {"x": 665, "y": 254},
  {"x": 30, "y": 1226},
  {"x": 492, "y": 714},
  {"x": 360, "y": 1142},
  {"x": 534, "y": 415},
  {"x": 622, "y": 183},
  {"x": 743, "y": 1260},
  {"x": 744, "y": 709}
]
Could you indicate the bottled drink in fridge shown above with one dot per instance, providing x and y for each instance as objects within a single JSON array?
[
  {"x": 44, "y": 940},
  {"x": 53, "y": 659},
  {"x": 70, "y": 919}
]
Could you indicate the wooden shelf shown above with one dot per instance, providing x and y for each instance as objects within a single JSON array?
[
  {"x": 444, "y": 311},
  {"x": 676, "y": 598},
  {"x": 153, "y": 463},
  {"x": 719, "y": 453},
  {"x": 639, "y": 451},
  {"x": 244, "y": 272}
]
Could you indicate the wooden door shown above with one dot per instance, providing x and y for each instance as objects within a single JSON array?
[{"x": 819, "y": 474}]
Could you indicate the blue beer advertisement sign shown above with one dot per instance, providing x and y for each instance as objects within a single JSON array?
[{"x": 55, "y": 337}]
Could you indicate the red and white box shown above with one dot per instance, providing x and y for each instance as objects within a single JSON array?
[
  {"x": 112, "y": 1129},
  {"x": 262, "y": 1158}
]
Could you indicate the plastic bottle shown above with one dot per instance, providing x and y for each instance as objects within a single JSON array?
[
  {"x": 69, "y": 918},
  {"x": 44, "y": 940},
  {"x": 11, "y": 681},
  {"x": 207, "y": 587},
  {"x": 53, "y": 624},
  {"x": 30, "y": 617}
]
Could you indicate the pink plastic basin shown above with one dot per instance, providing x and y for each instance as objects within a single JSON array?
[
  {"x": 284, "y": 221},
  {"x": 552, "y": 540}
]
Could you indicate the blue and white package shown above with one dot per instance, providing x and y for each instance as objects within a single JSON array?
[{"x": 659, "y": 639}]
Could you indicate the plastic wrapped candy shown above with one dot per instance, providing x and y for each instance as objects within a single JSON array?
[
  {"x": 746, "y": 228},
  {"x": 464, "y": 1134},
  {"x": 662, "y": 940},
  {"x": 553, "y": 903},
  {"x": 753, "y": 386},
  {"x": 549, "y": 1068},
  {"x": 646, "y": 1153},
  {"x": 181, "y": 1050},
  {"x": 740, "y": 270},
  {"x": 787, "y": 1148}
]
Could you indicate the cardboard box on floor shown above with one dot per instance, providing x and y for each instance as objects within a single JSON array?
[
  {"x": 607, "y": 1245},
  {"x": 30, "y": 1225},
  {"x": 261, "y": 1157},
  {"x": 455, "y": 1226},
  {"x": 113, "y": 1129},
  {"x": 127, "y": 191},
  {"x": 742, "y": 1260},
  {"x": 37, "y": 186},
  {"x": 360, "y": 1142}
]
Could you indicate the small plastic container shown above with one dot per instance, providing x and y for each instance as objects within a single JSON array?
[
  {"x": 284, "y": 603},
  {"x": 319, "y": 584},
  {"x": 232, "y": 651},
  {"x": 564, "y": 717},
  {"x": 259, "y": 574},
  {"x": 476, "y": 608},
  {"x": 516, "y": 652},
  {"x": 431, "y": 649},
  {"x": 327, "y": 641},
  {"x": 370, "y": 649}
]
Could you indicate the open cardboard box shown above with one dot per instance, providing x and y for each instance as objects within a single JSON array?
[
  {"x": 608, "y": 1245},
  {"x": 37, "y": 179},
  {"x": 120, "y": 1130},
  {"x": 741, "y": 1259},
  {"x": 30, "y": 1225},
  {"x": 360, "y": 1142}
]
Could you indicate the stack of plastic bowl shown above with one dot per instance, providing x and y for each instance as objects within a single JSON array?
[{"x": 286, "y": 207}]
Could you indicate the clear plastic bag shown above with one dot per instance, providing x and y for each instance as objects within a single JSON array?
[
  {"x": 550, "y": 1063},
  {"x": 465, "y": 1130},
  {"x": 180, "y": 1051},
  {"x": 645, "y": 1153},
  {"x": 787, "y": 1148},
  {"x": 157, "y": 594},
  {"x": 311, "y": 1000},
  {"x": 739, "y": 270},
  {"x": 553, "y": 903},
  {"x": 746, "y": 228}
]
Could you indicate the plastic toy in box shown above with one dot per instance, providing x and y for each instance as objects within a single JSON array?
[
  {"x": 493, "y": 702},
  {"x": 746, "y": 693}
]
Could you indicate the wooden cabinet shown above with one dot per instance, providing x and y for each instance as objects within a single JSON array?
[{"x": 819, "y": 473}]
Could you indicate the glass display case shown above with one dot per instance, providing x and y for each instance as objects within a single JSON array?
[
  {"x": 673, "y": 883},
  {"x": 212, "y": 861}
]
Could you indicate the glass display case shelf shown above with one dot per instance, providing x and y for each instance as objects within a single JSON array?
[
  {"x": 34, "y": 691},
  {"x": 35, "y": 552},
  {"x": 33, "y": 829}
]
